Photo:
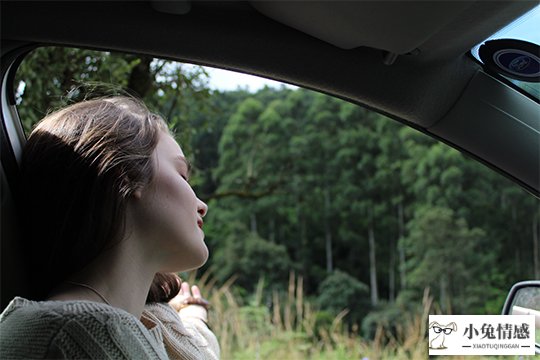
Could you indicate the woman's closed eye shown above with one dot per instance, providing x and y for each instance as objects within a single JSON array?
[{"x": 184, "y": 168}]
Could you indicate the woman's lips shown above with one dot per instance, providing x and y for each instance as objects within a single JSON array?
[{"x": 200, "y": 223}]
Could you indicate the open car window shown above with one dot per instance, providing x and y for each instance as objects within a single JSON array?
[{"x": 323, "y": 216}]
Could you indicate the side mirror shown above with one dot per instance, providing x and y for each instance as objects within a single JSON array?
[{"x": 524, "y": 299}]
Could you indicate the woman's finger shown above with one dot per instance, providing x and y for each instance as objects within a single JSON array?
[
  {"x": 196, "y": 292},
  {"x": 185, "y": 289}
]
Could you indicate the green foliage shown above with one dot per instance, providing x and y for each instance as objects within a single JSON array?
[
  {"x": 250, "y": 258},
  {"x": 70, "y": 74},
  {"x": 444, "y": 256},
  {"x": 339, "y": 291},
  {"x": 167, "y": 87},
  {"x": 323, "y": 320},
  {"x": 389, "y": 316}
]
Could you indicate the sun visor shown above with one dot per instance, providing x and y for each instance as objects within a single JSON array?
[{"x": 400, "y": 28}]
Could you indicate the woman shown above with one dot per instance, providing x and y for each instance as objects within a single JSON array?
[{"x": 106, "y": 205}]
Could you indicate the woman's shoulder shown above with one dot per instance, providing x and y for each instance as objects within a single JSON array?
[
  {"x": 60, "y": 311},
  {"x": 73, "y": 324}
]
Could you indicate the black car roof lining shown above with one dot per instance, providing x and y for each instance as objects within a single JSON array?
[{"x": 233, "y": 35}]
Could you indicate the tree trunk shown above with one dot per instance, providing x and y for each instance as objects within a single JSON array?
[
  {"x": 372, "y": 267},
  {"x": 301, "y": 253},
  {"x": 517, "y": 261},
  {"x": 141, "y": 79},
  {"x": 328, "y": 232},
  {"x": 536, "y": 255},
  {"x": 253, "y": 223},
  {"x": 443, "y": 294},
  {"x": 272, "y": 227},
  {"x": 174, "y": 104},
  {"x": 391, "y": 271},
  {"x": 401, "y": 248},
  {"x": 303, "y": 244}
]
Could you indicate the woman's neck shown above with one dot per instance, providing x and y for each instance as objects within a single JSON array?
[{"x": 120, "y": 276}]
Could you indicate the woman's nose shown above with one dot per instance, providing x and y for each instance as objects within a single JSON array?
[{"x": 202, "y": 208}]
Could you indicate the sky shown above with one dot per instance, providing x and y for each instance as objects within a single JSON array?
[
  {"x": 230, "y": 80},
  {"x": 526, "y": 28}
]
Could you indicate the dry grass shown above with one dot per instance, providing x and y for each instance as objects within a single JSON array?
[{"x": 289, "y": 329}]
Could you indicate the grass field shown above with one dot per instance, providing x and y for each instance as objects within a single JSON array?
[{"x": 290, "y": 330}]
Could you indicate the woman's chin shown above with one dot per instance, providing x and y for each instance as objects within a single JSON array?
[
  {"x": 203, "y": 258},
  {"x": 193, "y": 262}
]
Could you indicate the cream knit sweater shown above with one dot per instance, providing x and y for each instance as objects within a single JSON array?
[{"x": 86, "y": 329}]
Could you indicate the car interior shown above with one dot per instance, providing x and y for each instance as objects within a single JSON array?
[{"x": 408, "y": 60}]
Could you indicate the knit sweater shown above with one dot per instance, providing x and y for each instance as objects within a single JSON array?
[
  {"x": 186, "y": 338},
  {"x": 86, "y": 329}
]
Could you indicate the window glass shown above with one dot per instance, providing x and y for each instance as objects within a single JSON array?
[
  {"x": 526, "y": 28},
  {"x": 332, "y": 229}
]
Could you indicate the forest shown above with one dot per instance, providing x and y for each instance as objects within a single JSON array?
[{"x": 330, "y": 226}]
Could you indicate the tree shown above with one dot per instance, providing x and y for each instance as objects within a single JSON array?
[
  {"x": 443, "y": 255},
  {"x": 249, "y": 257},
  {"x": 340, "y": 291},
  {"x": 76, "y": 74}
]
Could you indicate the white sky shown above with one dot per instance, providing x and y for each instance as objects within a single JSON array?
[
  {"x": 229, "y": 80},
  {"x": 527, "y": 28}
]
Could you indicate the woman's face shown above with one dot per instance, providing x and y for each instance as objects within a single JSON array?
[{"x": 169, "y": 214}]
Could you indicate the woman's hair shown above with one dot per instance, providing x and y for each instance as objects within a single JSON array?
[
  {"x": 79, "y": 167},
  {"x": 164, "y": 288}
]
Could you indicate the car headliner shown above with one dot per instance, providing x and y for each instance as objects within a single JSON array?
[{"x": 334, "y": 47}]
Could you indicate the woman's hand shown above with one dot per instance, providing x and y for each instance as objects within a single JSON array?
[{"x": 187, "y": 297}]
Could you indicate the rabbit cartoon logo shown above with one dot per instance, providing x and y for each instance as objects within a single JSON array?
[{"x": 441, "y": 331}]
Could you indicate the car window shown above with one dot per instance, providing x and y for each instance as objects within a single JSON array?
[
  {"x": 331, "y": 227},
  {"x": 525, "y": 28}
]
